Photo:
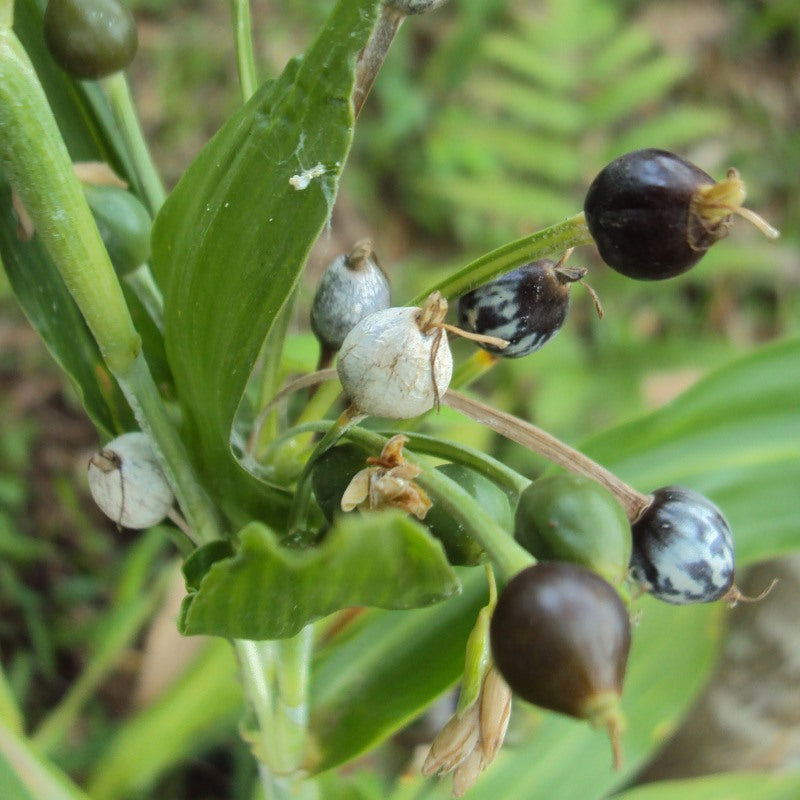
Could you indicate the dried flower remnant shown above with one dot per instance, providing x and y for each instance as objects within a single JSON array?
[
  {"x": 471, "y": 739},
  {"x": 388, "y": 483}
]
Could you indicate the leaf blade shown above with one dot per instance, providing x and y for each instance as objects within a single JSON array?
[{"x": 298, "y": 587}]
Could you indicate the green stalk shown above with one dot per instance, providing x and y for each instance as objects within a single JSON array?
[
  {"x": 506, "y": 555},
  {"x": 6, "y": 14},
  {"x": 302, "y": 496},
  {"x": 550, "y": 241},
  {"x": 275, "y": 680},
  {"x": 496, "y": 471},
  {"x": 121, "y": 100},
  {"x": 294, "y": 667},
  {"x": 36, "y": 162},
  {"x": 257, "y": 667},
  {"x": 248, "y": 79}
]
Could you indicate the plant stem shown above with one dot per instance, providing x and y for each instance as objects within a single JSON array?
[
  {"x": 298, "y": 513},
  {"x": 257, "y": 667},
  {"x": 374, "y": 54},
  {"x": 572, "y": 232},
  {"x": 507, "y": 556},
  {"x": 294, "y": 667},
  {"x": 544, "y": 444},
  {"x": 275, "y": 679},
  {"x": 37, "y": 164},
  {"x": 121, "y": 100},
  {"x": 142, "y": 395},
  {"x": 6, "y": 14},
  {"x": 242, "y": 35}
]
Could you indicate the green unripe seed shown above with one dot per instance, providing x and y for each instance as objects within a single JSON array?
[
  {"x": 461, "y": 548},
  {"x": 90, "y": 39},
  {"x": 566, "y": 517},
  {"x": 332, "y": 473},
  {"x": 124, "y": 225}
]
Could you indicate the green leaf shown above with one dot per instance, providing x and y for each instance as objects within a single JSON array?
[
  {"x": 732, "y": 786},
  {"x": 202, "y": 559},
  {"x": 267, "y": 591},
  {"x": 232, "y": 239},
  {"x": 734, "y": 436},
  {"x": 385, "y": 669},
  {"x": 51, "y": 310}
]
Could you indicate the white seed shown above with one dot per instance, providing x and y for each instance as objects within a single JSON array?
[
  {"x": 390, "y": 368},
  {"x": 128, "y": 484}
]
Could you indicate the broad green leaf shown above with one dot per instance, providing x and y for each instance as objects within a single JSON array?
[
  {"x": 732, "y": 786},
  {"x": 384, "y": 671},
  {"x": 198, "y": 708},
  {"x": 735, "y": 436},
  {"x": 232, "y": 239},
  {"x": 25, "y": 775},
  {"x": 201, "y": 560},
  {"x": 267, "y": 591}
]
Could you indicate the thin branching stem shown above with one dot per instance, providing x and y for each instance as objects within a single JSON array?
[{"x": 543, "y": 443}]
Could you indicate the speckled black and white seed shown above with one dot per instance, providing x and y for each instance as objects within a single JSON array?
[
  {"x": 683, "y": 548},
  {"x": 526, "y": 307}
]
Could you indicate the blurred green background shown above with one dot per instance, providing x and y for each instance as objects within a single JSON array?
[{"x": 488, "y": 121}]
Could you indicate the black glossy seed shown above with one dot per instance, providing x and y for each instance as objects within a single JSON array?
[
  {"x": 683, "y": 548},
  {"x": 639, "y": 210},
  {"x": 526, "y": 307},
  {"x": 560, "y": 637}
]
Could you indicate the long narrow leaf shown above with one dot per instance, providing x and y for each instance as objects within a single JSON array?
[{"x": 232, "y": 239}]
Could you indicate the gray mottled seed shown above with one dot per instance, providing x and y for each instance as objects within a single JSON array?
[{"x": 683, "y": 548}]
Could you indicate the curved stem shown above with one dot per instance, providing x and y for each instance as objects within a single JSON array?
[
  {"x": 553, "y": 449},
  {"x": 248, "y": 80},
  {"x": 501, "y": 548},
  {"x": 373, "y": 55},
  {"x": 571, "y": 232},
  {"x": 312, "y": 379},
  {"x": 121, "y": 100},
  {"x": 510, "y": 481},
  {"x": 298, "y": 513}
]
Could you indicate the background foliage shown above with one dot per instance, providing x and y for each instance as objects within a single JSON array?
[{"x": 488, "y": 120}]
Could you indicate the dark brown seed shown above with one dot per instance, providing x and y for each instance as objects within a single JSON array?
[{"x": 642, "y": 212}]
